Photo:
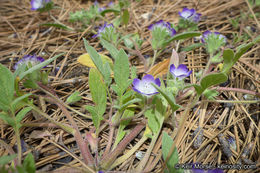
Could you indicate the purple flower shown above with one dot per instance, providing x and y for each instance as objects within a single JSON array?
[
  {"x": 206, "y": 34},
  {"x": 103, "y": 29},
  {"x": 33, "y": 60},
  {"x": 180, "y": 72},
  {"x": 144, "y": 86},
  {"x": 190, "y": 14},
  {"x": 37, "y": 4},
  {"x": 163, "y": 25}
]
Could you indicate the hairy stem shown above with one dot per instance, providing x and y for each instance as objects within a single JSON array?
[
  {"x": 88, "y": 158},
  {"x": 19, "y": 146},
  {"x": 142, "y": 164},
  {"x": 107, "y": 161}
]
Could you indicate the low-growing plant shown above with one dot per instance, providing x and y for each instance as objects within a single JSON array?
[{"x": 151, "y": 95}]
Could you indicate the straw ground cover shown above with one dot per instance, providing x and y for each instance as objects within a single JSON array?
[{"x": 234, "y": 112}]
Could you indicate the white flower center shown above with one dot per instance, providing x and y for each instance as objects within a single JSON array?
[
  {"x": 146, "y": 87},
  {"x": 37, "y": 4}
]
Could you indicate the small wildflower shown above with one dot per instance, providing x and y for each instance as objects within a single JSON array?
[
  {"x": 161, "y": 33},
  {"x": 144, "y": 86},
  {"x": 104, "y": 29},
  {"x": 37, "y": 4},
  {"x": 29, "y": 60},
  {"x": 190, "y": 15},
  {"x": 163, "y": 26},
  {"x": 217, "y": 35},
  {"x": 180, "y": 72}
]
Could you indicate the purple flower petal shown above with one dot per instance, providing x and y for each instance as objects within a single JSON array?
[
  {"x": 144, "y": 86},
  {"x": 186, "y": 13},
  {"x": 180, "y": 72},
  {"x": 190, "y": 14},
  {"x": 163, "y": 25},
  {"x": 103, "y": 29},
  {"x": 37, "y": 4},
  {"x": 206, "y": 34},
  {"x": 33, "y": 60}
]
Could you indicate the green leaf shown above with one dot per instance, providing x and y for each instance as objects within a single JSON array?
[
  {"x": 213, "y": 79},
  {"x": 19, "y": 99},
  {"x": 29, "y": 164},
  {"x": 6, "y": 159},
  {"x": 116, "y": 12},
  {"x": 22, "y": 113},
  {"x": 198, "y": 89},
  {"x": 74, "y": 97},
  {"x": 94, "y": 56},
  {"x": 6, "y": 88},
  {"x": 191, "y": 47},
  {"x": 228, "y": 56},
  {"x": 57, "y": 25},
  {"x": 210, "y": 94},
  {"x": 98, "y": 92},
  {"x": 153, "y": 122},
  {"x": 121, "y": 132},
  {"x": 125, "y": 17},
  {"x": 121, "y": 70},
  {"x": 39, "y": 66},
  {"x": 167, "y": 143},
  {"x": 9, "y": 120},
  {"x": 107, "y": 73},
  {"x": 110, "y": 47},
  {"x": 94, "y": 114},
  {"x": 182, "y": 36},
  {"x": 124, "y": 106},
  {"x": 169, "y": 97}
]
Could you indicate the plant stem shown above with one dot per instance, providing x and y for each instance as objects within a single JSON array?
[
  {"x": 237, "y": 90},
  {"x": 19, "y": 146},
  {"x": 154, "y": 57},
  {"x": 142, "y": 164},
  {"x": 180, "y": 130},
  {"x": 63, "y": 126},
  {"x": 129, "y": 153},
  {"x": 88, "y": 158},
  {"x": 107, "y": 161}
]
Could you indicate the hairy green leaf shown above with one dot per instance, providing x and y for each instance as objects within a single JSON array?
[
  {"x": 169, "y": 97},
  {"x": 213, "y": 79},
  {"x": 74, "y": 97},
  {"x": 110, "y": 47},
  {"x": 182, "y": 36},
  {"x": 121, "y": 132},
  {"x": 22, "y": 113},
  {"x": 29, "y": 163},
  {"x": 228, "y": 56},
  {"x": 125, "y": 17},
  {"x": 39, "y": 66},
  {"x": 94, "y": 56},
  {"x": 94, "y": 114},
  {"x": 121, "y": 70},
  {"x": 167, "y": 143},
  {"x": 6, "y": 159},
  {"x": 98, "y": 92},
  {"x": 6, "y": 88},
  {"x": 153, "y": 122},
  {"x": 9, "y": 120}
]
